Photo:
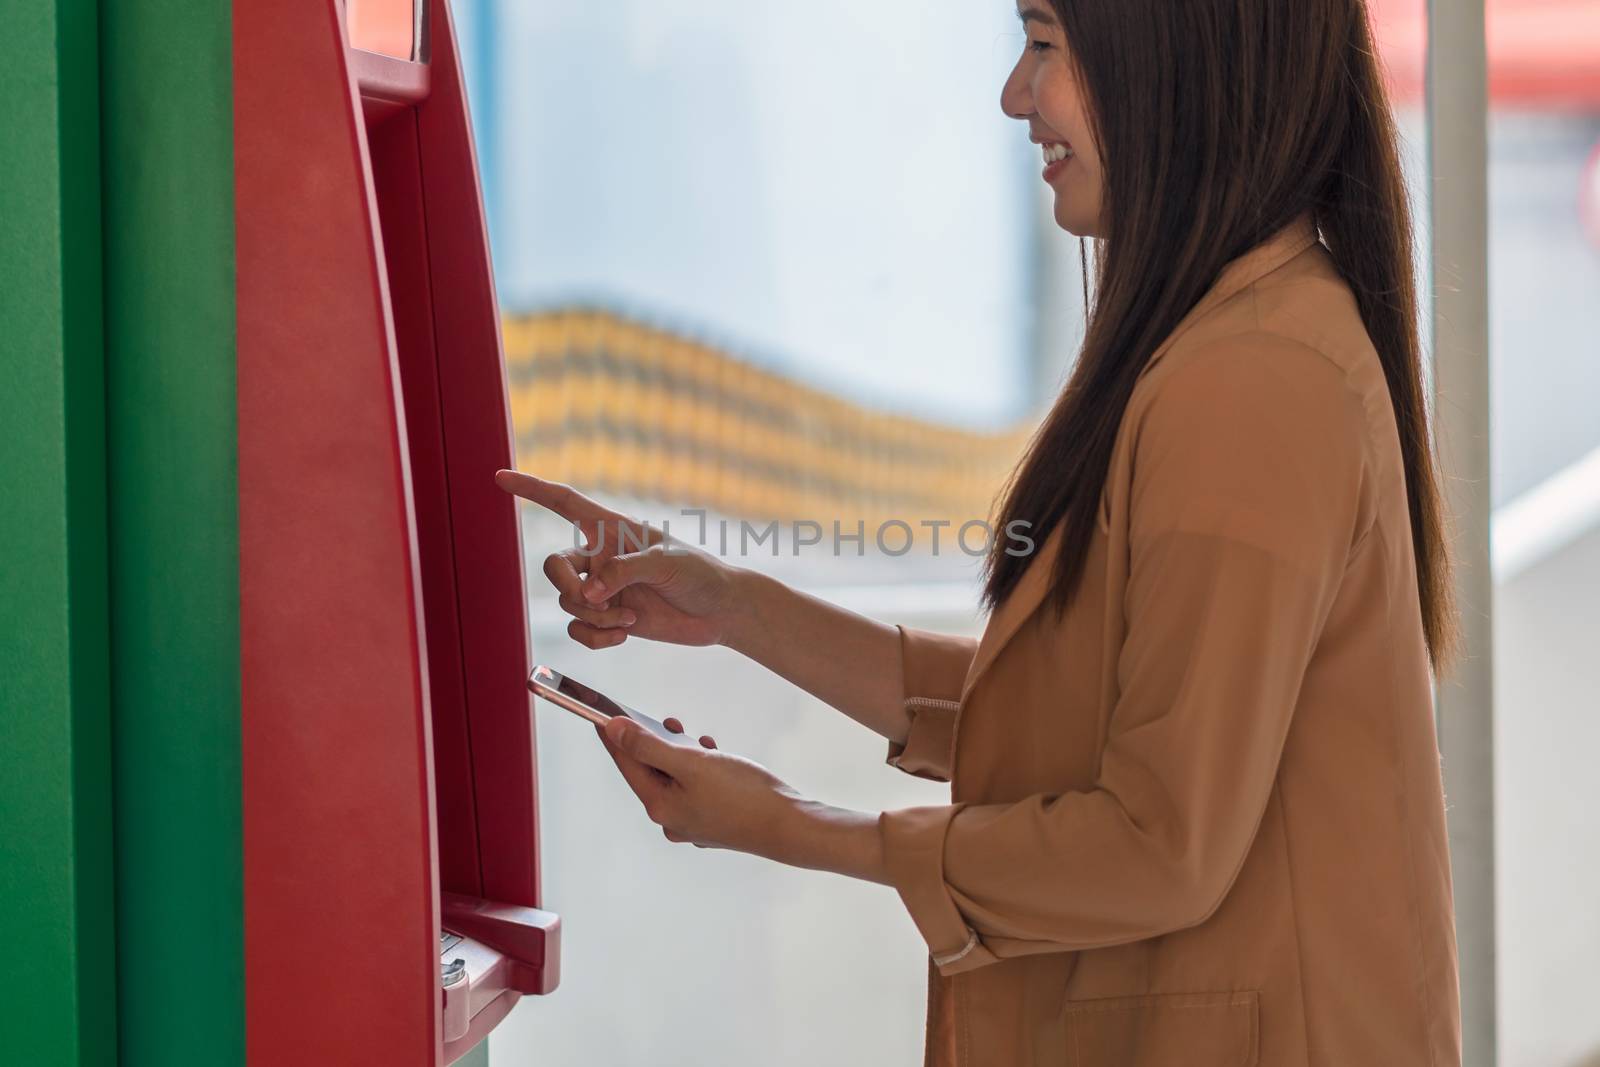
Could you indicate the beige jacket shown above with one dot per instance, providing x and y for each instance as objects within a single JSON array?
[{"x": 1198, "y": 820}]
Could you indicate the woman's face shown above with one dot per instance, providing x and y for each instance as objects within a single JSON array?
[{"x": 1043, "y": 91}]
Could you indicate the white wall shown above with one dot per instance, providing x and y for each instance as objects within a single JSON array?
[{"x": 1547, "y": 827}]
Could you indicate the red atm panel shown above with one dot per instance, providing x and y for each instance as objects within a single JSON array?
[{"x": 392, "y": 908}]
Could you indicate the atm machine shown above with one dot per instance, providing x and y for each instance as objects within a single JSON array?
[{"x": 392, "y": 910}]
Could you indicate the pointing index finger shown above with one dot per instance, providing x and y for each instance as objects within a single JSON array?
[{"x": 561, "y": 499}]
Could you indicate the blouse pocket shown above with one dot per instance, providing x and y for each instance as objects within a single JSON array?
[{"x": 1187, "y": 1029}]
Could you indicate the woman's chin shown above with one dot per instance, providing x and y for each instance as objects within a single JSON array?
[{"x": 1073, "y": 216}]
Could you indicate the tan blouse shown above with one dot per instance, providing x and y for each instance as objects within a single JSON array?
[{"x": 1198, "y": 819}]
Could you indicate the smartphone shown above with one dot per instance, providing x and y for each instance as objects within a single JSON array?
[{"x": 594, "y": 705}]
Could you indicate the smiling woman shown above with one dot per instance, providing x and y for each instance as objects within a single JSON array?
[
  {"x": 1195, "y": 810},
  {"x": 1256, "y": 124}
]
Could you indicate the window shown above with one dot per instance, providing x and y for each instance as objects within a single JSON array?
[{"x": 783, "y": 262}]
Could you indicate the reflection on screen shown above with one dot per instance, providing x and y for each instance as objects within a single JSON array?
[{"x": 593, "y": 698}]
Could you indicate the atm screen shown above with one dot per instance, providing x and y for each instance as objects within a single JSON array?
[{"x": 396, "y": 28}]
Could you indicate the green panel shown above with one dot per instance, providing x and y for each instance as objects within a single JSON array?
[
  {"x": 478, "y": 1057},
  {"x": 169, "y": 282},
  {"x": 55, "y": 786}
]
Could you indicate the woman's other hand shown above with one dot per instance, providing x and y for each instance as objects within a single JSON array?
[
  {"x": 706, "y": 740},
  {"x": 702, "y": 796},
  {"x": 713, "y": 800},
  {"x": 629, "y": 580}
]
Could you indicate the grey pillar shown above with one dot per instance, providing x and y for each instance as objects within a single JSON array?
[{"x": 1458, "y": 173}]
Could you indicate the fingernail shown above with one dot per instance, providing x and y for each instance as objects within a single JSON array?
[
  {"x": 595, "y": 590},
  {"x": 629, "y": 618}
]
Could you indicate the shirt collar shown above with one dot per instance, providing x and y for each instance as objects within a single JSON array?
[{"x": 1243, "y": 272}]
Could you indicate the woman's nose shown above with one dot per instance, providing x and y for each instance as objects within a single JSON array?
[{"x": 1016, "y": 98}]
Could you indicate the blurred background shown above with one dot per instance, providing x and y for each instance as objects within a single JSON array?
[{"x": 790, "y": 262}]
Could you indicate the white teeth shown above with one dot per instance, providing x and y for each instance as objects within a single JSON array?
[{"x": 1055, "y": 153}]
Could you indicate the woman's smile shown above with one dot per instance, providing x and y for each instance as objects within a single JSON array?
[{"x": 1056, "y": 157}]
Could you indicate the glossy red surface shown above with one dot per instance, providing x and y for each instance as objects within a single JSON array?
[
  {"x": 385, "y": 81},
  {"x": 388, "y": 745},
  {"x": 476, "y": 416},
  {"x": 340, "y": 901}
]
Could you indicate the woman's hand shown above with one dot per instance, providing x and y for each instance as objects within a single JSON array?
[
  {"x": 714, "y": 800},
  {"x": 702, "y": 797},
  {"x": 629, "y": 580}
]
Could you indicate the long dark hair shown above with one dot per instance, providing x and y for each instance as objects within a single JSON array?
[{"x": 1220, "y": 122}]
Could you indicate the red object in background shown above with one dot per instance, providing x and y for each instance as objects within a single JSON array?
[
  {"x": 1543, "y": 54},
  {"x": 388, "y": 749}
]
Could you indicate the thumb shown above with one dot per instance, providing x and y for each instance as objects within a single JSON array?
[
  {"x": 635, "y": 741},
  {"x": 650, "y": 567}
]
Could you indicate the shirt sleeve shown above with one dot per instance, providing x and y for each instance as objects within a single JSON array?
[
  {"x": 933, "y": 669},
  {"x": 1249, "y": 473}
]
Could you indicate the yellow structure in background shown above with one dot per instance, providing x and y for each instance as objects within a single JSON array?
[{"x": 609, "y": 404}]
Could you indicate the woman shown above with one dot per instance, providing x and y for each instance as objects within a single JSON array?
[{"x": 1197, "y": 814}]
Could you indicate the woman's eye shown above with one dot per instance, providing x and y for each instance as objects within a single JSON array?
[{"x": 1039, "y": 46}]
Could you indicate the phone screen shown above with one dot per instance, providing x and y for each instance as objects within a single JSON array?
[
  {"x": 591, "y": 697},
  {"x": 592, "y": 704}
]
